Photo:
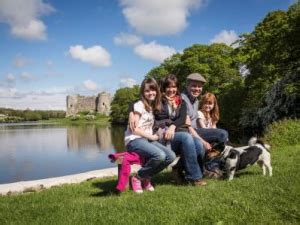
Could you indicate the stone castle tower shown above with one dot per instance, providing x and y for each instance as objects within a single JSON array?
[{"x": 78, "y": 103}]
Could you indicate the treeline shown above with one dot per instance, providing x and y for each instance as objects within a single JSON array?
[
  {"x": 256, "y": 83},
  {"x": 13, "y": 115}
]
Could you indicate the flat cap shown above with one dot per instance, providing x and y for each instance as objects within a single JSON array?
[{"x": 196, "y": 77}]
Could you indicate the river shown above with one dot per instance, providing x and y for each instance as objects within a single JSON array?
[{"x": 33, "y": 151}]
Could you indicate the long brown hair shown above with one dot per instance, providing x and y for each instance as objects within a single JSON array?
[
  {"x": 152, "y": 85},
  {"x": 214, "y": 113}
]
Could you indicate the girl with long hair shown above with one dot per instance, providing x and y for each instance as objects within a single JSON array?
[{"x": 143, "y": 141}]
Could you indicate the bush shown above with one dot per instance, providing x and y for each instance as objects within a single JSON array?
[
  {"x": 284, "y": 132},
  {"x": 74, "y": 117},
  {"x": 90, "y": 117}
]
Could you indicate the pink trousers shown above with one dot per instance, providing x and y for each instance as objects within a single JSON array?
[{"x": 125, "y": 160}]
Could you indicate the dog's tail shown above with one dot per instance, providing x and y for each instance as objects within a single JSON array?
[{"x": 253, "y": 141}]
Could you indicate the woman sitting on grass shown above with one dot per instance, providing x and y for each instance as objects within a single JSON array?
[{"x": 141, "y": 139}]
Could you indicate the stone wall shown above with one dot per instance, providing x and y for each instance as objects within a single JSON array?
[{"x": 77, "y": 103}]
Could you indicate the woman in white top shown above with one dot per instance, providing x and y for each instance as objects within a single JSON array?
[{"x": 142, "y": 140}]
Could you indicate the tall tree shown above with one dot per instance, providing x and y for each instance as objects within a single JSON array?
[{"x": 120, "y": 103}]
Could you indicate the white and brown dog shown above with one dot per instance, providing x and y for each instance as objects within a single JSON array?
[{"x": 241, "y": 157}]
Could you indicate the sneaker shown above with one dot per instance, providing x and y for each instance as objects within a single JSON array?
[
  {"x": 199, "y": 183},
  {"x": 147, "y": 185},
  {"x": 136, "y": 184}
]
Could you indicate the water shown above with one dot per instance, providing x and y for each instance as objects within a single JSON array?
[{"x": 34, "y": 151}]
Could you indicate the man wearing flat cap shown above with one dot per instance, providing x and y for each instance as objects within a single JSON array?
[{"x": 194, "y": 85}]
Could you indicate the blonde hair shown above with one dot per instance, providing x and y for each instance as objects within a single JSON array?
[
  {"x": 214, "y": 114},
  {"x": 152, "y": 85}
]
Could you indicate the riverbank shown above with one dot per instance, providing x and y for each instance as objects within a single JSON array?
[
  {"x": 250, "y": 198},
  {"x": 103, "y": 121},
  {"x": 81, "y": 120}
]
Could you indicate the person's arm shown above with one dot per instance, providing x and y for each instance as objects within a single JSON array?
[
  {"x": 201, "y": 120},
  {"x": 200, "y": 123},
  {"x": 194, "y": 133},
  {"x": 214, "y": 125},
  {"x": 132, "y": 119},
  {"x": 141, "y": 132},
  {"x": 177, "y": 123}
]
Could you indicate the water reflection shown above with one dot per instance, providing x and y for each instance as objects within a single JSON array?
[
  {"x": 29, "y": 152},
  {"x": 88, "y": 138}
]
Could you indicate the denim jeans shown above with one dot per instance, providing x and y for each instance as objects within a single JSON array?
[
  {"x": 158, "y": 156},
  {"x": 214, "y": 135},
  {"x": 190, "y": 150}
]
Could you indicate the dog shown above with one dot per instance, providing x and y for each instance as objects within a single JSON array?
[{"x": 239, "y": 158}]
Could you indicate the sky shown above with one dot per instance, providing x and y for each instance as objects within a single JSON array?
[{"x": 53, "y": 48}]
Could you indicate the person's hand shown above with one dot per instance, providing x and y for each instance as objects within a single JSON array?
[
  {"x": 132, "y": 121},
  {"x": 188, "y": 121},
  {"x": 169, "y": 135},
  {"x": 206, "y": 146},
  {"x": 155, "y": 137}
]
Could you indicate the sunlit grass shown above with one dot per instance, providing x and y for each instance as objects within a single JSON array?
[{"x": 249, "y": 199}]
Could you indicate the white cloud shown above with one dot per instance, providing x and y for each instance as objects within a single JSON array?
[
  {"x": 157, "y": 17},
  {"x": 154, "y": 52},
  {"x": 127, "y": 39},
  {"x": 23, "y": 17},
  {"x": 90, "y": 85},
  {"x": 25, "y": 76},
  {"x": 10, "y": 78},
  {"x": 20, "y": 61},
  {"x": 53, "y": 98},
  {"x": 96, "y": 55},
  {"x": 226, "y": 37},
  {"x": 127, "y": 82},
  {"x": 8, "y": 92}
]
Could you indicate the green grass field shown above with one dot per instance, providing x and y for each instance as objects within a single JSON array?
[{"x": 249, "y": 199}]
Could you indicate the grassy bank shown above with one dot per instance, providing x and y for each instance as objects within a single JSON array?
[
  {"x": 249, "y": 199},
  {"x": 66, "y": 121}
]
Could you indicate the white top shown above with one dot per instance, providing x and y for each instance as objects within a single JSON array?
[
  {"x": 145, "y": 123},
  {"x": 207, "y": 122}
]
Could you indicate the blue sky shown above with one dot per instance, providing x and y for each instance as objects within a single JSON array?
[{"x": 50, "y": 49}]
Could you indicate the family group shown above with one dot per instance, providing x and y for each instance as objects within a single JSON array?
[{"x": 165, "y": 123}]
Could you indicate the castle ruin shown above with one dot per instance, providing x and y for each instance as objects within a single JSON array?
[{"x": 98, "y": 104}]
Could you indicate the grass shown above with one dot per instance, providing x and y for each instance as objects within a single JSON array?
[
  {"x": 284, "y": 132},
  {"x": 249, "y": 199}
]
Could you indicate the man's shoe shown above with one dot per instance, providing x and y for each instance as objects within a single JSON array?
[{"x": 199, "y": 183}]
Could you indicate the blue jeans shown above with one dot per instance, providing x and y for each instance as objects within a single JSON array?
[
  {"x": 158, "y": 156},
  {"x": 190, "y": 150},
  {"x": 216, "y": 135}
]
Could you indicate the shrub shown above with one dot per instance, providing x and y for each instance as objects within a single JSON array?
[
  {"x": 75, "y": 117},
  {"x": 284, "y": 132},
  {"x": 90, "y": 117}
]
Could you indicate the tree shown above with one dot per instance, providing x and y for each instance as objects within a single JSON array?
[
  {"x": 120, "y": 103},
  {"x": 270, "y": 52}
]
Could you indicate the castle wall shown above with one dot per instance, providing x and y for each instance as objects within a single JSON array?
[
  {"x": 86, "y": 104},
  {"x": 77, "y": 104},
  {"x": 103, "y": 105}
]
